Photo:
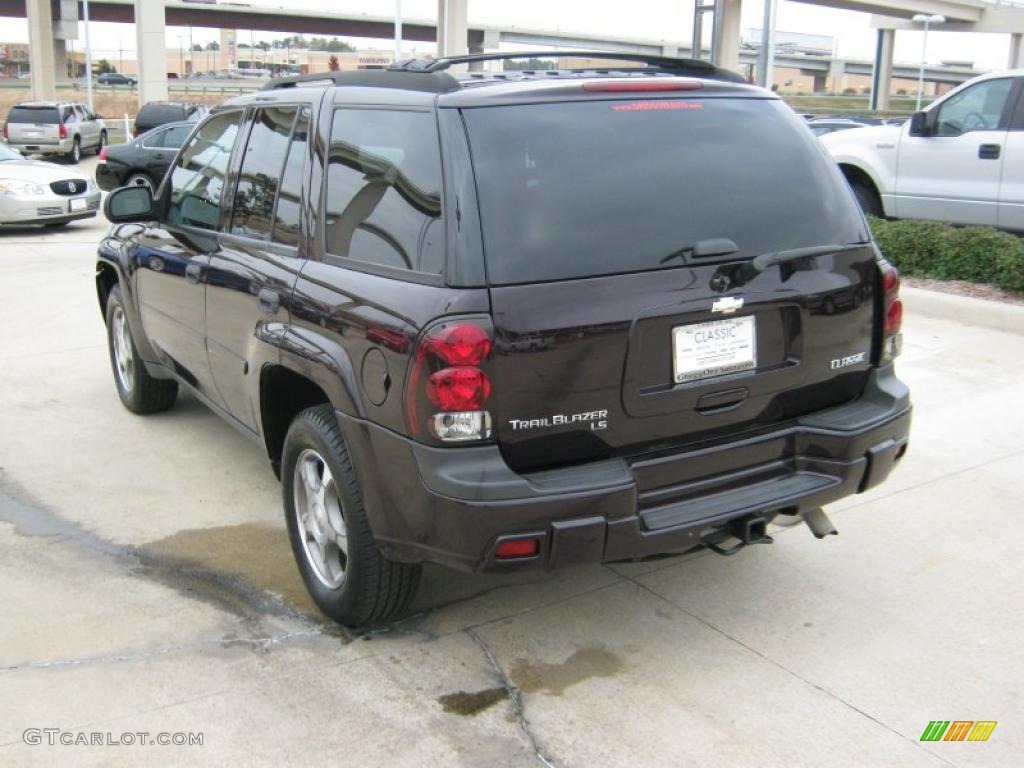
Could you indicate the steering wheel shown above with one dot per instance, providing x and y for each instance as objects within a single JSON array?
[{"x": 973, "y": 122}]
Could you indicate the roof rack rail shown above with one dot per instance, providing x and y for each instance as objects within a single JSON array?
[
  {"x": 667, "y": 64},
  {"x": 438, "y": 82}
]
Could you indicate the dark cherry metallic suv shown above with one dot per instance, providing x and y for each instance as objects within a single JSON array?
[{"x": 514, "y": 319}]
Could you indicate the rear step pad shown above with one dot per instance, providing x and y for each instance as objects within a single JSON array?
[{"x": 750, "y": 498}]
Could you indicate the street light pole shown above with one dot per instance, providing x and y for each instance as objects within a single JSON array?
[
  {"x": 88, "y": 56},
  {"x": 927, "y": 19},
  {"x": 181, "y": 57},
  {"x": 398, "y": 29}
]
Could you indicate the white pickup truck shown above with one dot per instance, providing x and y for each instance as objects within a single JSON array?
[{"x": 960, "y": 161}]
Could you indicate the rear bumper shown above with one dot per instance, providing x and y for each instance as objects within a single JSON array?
[
  {"x": 42, "y": 146},
  {"x": 453, "y": 505}
]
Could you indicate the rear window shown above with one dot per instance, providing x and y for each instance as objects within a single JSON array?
[
  {"x": 582, "y": 189},
  {"x": 33, "y": 115},
  {"x": 157, "y": 114}
]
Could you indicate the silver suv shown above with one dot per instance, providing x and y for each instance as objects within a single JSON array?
[{"x": 54, "y": 128}]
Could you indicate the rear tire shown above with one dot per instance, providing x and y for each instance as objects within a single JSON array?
[
  {"x": 139, "y": 392},
  {"x": 343, "y": 569},
  {"x": 103, "y": 142},
  {"x": 140, "y": 180},
  {"x": 868, "y": 198},
  {"x": 76, "y": 151}
]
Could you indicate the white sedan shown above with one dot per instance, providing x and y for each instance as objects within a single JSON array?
[{"x": 36, "y": 192}]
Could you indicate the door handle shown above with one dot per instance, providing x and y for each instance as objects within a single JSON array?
[
  {"x": 269, "y": 301},
  {"x": 989, "y": 151},
  {"x": 193, "y": 273}
]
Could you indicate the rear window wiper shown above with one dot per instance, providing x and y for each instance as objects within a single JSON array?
[
  {"x": 751, "y": 269},
  {"x": 702, "y": 249}
]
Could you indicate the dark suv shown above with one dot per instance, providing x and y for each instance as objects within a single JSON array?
[
  {"x": 155, "y": 113},
  {"x": 522, "y": 319}
]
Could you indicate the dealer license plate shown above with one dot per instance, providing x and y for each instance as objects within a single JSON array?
[
  {"x": 78, "y": 204},
  {"x": 714, "y": 348}
]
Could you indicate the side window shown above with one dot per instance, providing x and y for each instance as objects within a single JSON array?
[
  {"x": 153, "y": 139},
  {"x": 286, "y": 217},
  {"x": 979, "y": 108},
  {"x": 197, "y": 179},
  {"x": 67, "y": 115},
  {"x": 174, "y": 137},
  {"x": 261, "y": 171},
  {"x": 384, "y": 189}
]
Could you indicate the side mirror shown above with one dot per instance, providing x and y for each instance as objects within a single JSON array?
[
  {"x": 920, "y": 125},
  {"x": 129, "y": 204},
  {"x": 97, "y": 116}
]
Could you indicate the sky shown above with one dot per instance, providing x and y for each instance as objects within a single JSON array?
[{"x": 648, "y": 19}]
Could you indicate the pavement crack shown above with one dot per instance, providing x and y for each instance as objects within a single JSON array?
[
  {"x": 788, "y": 671},
  {"x": 255, "y": 643},
  {"x": 514, "y": 695}
]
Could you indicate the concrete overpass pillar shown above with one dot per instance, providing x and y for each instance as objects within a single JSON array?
[
  {"x": 41, "y": 54},
  {"x": 1015, "y": 50},
  {"x": 452, "y": 27},
  {"x": 150, "y": 42},
  {"x": 881, "y": 73},
  {"x": 64, "y": 29},
  {"x": 726, "y": 42},
  {"x": 837, "y": 75}
]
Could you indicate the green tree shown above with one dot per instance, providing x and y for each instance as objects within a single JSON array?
[{"x": 103, "y": 67}]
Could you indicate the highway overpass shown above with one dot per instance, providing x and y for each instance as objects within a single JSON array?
[{"x": 53, "y": 22}]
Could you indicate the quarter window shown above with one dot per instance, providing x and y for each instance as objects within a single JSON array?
[
  {"x": 384, "y": 189},
  {"x": 979, "y": 108},
  {"x": 261, "y": 171},
  {"x": 197, "y": 181}
]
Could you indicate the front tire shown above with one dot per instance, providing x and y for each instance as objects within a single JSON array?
[
  {"x": 139, "y": 392},
  {"x": 343, "y": 569}
]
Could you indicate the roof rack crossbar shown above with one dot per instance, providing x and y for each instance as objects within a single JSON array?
[
  {"x": 380, "y": 78},
  {"x": 653, "y": 62}
]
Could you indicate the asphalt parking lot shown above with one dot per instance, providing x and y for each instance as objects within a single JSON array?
[{"x": 147, "y": 585}]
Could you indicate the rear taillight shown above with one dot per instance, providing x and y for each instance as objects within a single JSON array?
[
  {"x": 892, "y": 343},
  {"x": 63, "y": 131},
  {"x": 103, "y": 153},
  {"x": 6, "y": 135},
  {"x": 448, "y": 386}
]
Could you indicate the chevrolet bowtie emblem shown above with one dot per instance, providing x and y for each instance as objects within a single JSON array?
[{"x": 727, "y": 305}]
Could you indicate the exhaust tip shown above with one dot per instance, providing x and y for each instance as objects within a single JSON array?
[{"x": 819, "y": 523}]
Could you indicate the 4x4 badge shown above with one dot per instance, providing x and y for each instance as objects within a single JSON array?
[{"x": 727, "y": 305}]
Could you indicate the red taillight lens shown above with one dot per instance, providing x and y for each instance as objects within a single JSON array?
[
  {"x": 460, "y": 344},
  {"x": 5, "y": 131},
  {"x": 515, "y": 548},
  {"x": 892, "y": 281},
  {"x": 643, "y": 86},
  {"x": 459, "y": 389},
  {"x": 894, "y": 317},
  {"x": 103, "y": 153},
  {"x": 63, "y": 131}
]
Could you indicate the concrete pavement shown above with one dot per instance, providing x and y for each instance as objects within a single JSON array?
[{"x": 146, "y": 584}]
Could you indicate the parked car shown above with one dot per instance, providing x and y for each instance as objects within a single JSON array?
[
  {"x": 35, "y": 192},
  {"x": 643, "y": 315},
  {"x": 956, "y": 161},
  {"x": 143, "y": 161},
  {"x": 154, "y": 113},
  {"x": 115, "y": 78},
  {"x": 55, "y": 128}
]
